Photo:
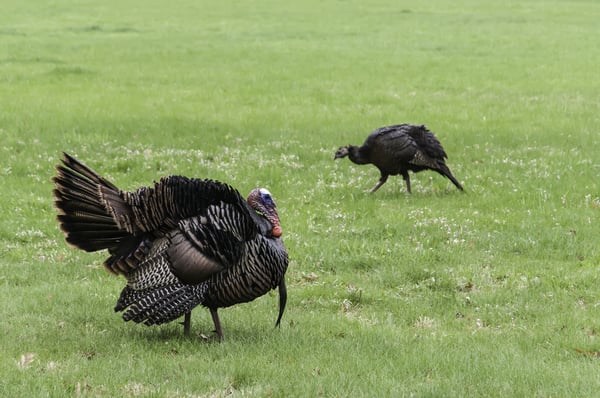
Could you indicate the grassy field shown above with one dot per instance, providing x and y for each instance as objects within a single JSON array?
[{"x": 494, "y": 292}]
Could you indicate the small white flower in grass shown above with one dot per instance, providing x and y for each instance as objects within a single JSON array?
[
  {"x": 81, "y": 388},
  {"x": 309, "y": 277},
  {"x": 135, "y": 388},
  {"x": 26, "y": 360},
  {"x": 51, "y": 365},
  {"x": 346, "y": 305},
  {"x": 30, "y": 233},
  {"x": 424, "y": 322}
]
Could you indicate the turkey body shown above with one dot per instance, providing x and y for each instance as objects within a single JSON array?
[
  {"x": 399, "y": 149},
  {"x": 180, "y": 243}
]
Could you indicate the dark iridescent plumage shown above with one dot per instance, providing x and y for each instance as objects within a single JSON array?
[
  {"x": 399, "y": 149},
  {"x": 180, "y": 243}
]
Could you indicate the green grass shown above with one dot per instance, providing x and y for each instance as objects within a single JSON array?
[{"x": 438, "y": 293}]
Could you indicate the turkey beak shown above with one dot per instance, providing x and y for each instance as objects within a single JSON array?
[{"x": 341, "y": 152}]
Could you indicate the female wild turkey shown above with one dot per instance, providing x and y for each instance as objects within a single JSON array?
[
  {"x": 181, "y": 243},
  {"x": 397, "y": 149}
]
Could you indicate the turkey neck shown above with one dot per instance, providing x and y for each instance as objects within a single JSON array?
[
  {"x": 264, "y": 226},
  {"x": 358, "y": 155}
]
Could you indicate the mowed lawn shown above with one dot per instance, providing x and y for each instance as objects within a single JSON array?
[{"x": 492, "y": 292}]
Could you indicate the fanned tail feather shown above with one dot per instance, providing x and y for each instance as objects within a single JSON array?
[
  {"x": 85, "y": 217},
  {"x": 75, "y": 165}
]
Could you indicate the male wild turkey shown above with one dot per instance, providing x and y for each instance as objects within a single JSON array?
[
  {"x": 397, "y": 149},
  {"x": 181, "y": 243}
]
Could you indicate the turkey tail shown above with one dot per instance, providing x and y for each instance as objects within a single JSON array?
[
  {"x": 88, "y": 204},
  {"x": 445, "y": 171}
]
